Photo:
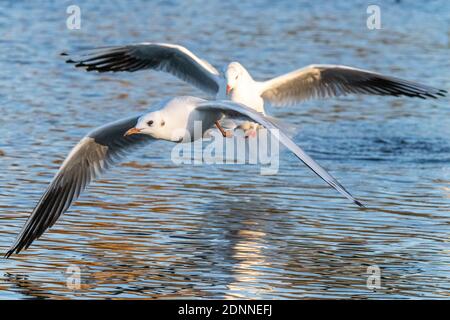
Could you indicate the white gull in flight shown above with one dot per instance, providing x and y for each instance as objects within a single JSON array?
[
  {"x": 235, "y": 82},
  {"x": 171, "y": 120}
]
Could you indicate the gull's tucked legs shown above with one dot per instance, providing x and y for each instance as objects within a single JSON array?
[{"x": 225, "y": 134}]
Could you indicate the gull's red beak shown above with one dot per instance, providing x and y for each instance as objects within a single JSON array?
[
  {"x": 228, "y": 89},
  {"x": 132, "y": 131}
]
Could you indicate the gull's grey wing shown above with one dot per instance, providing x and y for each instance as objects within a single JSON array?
[
  {"x": 174, "y": 59},
  {"x": 87, "y": 160},
  {"x": 323, "y": 81},
  {"x": 235, "y": 110}
]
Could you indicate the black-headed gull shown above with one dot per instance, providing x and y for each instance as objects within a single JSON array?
[
  {"x": 235, "y": 82},
  {"x": 173, "y": 120}
]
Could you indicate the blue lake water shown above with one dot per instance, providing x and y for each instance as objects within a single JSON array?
[{"x": 153, "y": 229}]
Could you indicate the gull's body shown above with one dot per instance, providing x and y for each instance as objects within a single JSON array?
[
  {"x": 182, "y": 114},
  {"x": 245, "y": 89},
  {"x": 235, "y": 82},
  {"x": 172, "y": 120}
]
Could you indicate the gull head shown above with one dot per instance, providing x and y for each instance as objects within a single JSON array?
[
  {"x": 234, "y": 74},
  {"x": 152, "y": 124},
  {"x": 169, "y": 119}
]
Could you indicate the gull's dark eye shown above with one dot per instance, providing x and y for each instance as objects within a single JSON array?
[
  {"x": 150, "y": 123},
  {"x": 236, "y": 78},
  {"x": 163, "y": 123}
]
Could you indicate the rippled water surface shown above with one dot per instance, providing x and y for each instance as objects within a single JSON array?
[{"x": 153, "y": 229}]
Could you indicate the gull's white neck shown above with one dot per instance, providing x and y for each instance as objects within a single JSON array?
[{"x": 245, "y": 91}]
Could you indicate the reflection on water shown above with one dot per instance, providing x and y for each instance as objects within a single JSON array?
[{"x": 152, "y": 229}]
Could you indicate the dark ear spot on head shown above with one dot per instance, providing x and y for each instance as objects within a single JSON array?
[{"x": 163, "y": 123}]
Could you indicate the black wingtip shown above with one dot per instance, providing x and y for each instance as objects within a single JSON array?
[
  {"x": 64, "y": 54},
  {"x": 359, "y": 204},
  {"x": 8, "y": 253}
]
